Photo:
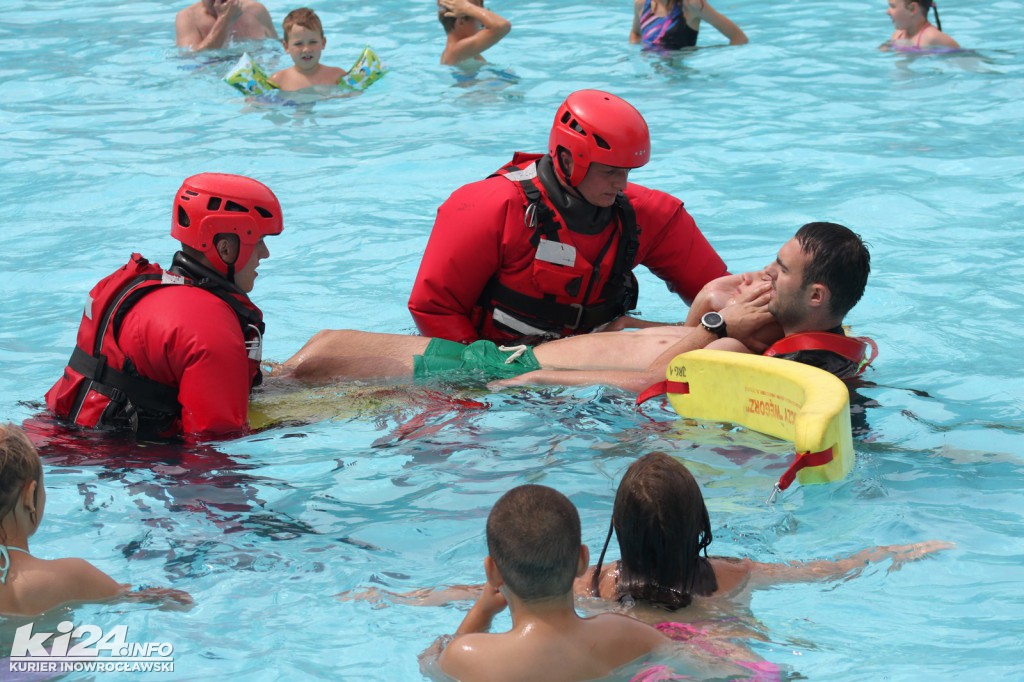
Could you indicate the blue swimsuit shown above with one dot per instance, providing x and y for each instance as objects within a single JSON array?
[
  {"x": 5, "y": 560},
  {"x": 670, "y": 32}
]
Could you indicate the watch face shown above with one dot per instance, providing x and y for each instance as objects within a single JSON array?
[{"x": 711, "y": 319}]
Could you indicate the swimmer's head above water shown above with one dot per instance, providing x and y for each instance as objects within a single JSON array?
[{"x": 663, "y": 527}]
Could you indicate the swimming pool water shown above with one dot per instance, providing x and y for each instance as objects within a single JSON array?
[{"x": 100, "y": 119}]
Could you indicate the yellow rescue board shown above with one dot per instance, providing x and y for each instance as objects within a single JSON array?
[{"x": 789, "y": 400}]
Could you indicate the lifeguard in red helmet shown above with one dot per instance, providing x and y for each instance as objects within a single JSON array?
[
  {"x": 546, "y": 246},
  {"x": 165, "y": 352}
]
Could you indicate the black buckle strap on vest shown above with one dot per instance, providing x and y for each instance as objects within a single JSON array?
[
  {"x": 627, "y": 289},
  {"x": 143, "y": 393},
  {"x": 539, "y": 218},
  {"x": 569, "y": 315}
]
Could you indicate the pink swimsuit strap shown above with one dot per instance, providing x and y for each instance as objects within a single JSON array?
[{"x": 902, "y": 35}]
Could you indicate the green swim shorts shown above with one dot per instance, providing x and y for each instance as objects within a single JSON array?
[{"x": 481, "y": 358}]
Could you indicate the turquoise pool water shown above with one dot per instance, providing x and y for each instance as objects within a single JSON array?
[{"x": 100, "y": 119}]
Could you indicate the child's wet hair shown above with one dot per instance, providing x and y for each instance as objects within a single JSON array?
[
  {"x": 448, "y": 23},
  {"x": 662, "y": 526},
  {"x": 19, "y": 465},
  {"x": 304, "y": 18},
  {"x": 925, "y": 5},
  {"x": 533, "y": 537}
]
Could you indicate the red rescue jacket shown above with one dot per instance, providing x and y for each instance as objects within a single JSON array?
[
  {"x": 563, "y": 293},
  {"x": 501, "y": 263},
  {"x": 109, "y": 382}
]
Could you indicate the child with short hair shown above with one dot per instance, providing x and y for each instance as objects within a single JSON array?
[
  {"x": 534, "y": 555},
  {"x": 29, "y": 585},
  {"x": 304, "y": 41},
  {"x": 912, "y": 30},
  {"x": 470, "y": 30}
]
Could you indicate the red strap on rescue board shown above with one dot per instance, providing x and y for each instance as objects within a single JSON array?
[
  {"x": 661, "y": 388},
  {"x": 811, "y": 459}
]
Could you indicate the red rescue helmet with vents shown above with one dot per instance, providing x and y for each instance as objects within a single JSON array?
[
  {"x": 598, "y": 127},
  {"x": 209, "y": 204}
]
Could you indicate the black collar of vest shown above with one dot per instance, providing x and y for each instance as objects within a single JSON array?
[
  {"x": 579, "y": 214},
  {"x": 201, "y": 275}
]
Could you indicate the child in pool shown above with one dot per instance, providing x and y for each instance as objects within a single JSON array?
[
  {"x": 662, "y": 526},
  {"x": 304, "y": 41},
  {"x": 912, "y": 30},
  {"x": 534, "y": 554},
  {"x": 29, "y": 585},
  {"x": 673, "y": 24},
  {"x": 470, "y": 30}
]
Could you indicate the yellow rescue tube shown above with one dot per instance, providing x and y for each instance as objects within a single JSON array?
[{"x": 782, "y": 398}]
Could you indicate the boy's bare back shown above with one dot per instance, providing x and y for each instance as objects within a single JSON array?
[{"x": 562, "y": 651}]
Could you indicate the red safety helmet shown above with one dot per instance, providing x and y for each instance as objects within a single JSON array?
[
  {"x": 598, "y": 127},
  {"x": 209, "y": 204}
]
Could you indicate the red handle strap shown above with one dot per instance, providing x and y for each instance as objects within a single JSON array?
[
  {"x": 874, "y": 353},
  {"x": 810, "y": 459},
  {"x": 661, "y": 388}
]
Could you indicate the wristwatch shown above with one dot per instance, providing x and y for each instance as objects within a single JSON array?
[{"x": 714, "y": 323}]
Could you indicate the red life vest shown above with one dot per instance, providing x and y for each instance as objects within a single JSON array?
[
  {"x": 561, "y": 293},
  {"x": 853, "y": 348},
  {"x": 99, "y": 387}
]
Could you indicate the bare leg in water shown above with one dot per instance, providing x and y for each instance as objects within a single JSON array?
[{"x": 348, "y": 354}]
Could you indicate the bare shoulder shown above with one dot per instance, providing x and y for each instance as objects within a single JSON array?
[
  {"x": 187, "y": 17},
  {"x": 468, "y": 656},
  {"x": 256, "y": 8},
  {"x": 82, "y": 581},
  {"x": 940, "y": 39},
  {"x": 191, "y": 10},
  {"x": 334, "y": 73},
  {"x": 731, "y": 573},
  {"x": 45, "y": 584},
  {"x": 632, "y": 637}
]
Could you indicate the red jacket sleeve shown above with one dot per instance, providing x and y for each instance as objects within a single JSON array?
[
  {"x": 463, "y": 253},
  {"x": 671, "y": 244},
  {"x": 186, "y": 337}
]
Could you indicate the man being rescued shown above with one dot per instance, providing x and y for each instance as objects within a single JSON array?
[{"x": 796, "y": 304}]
